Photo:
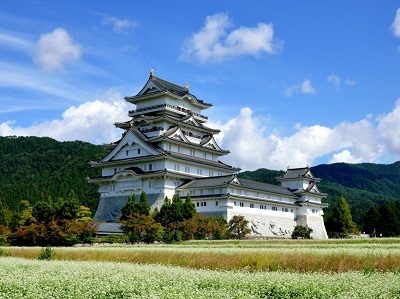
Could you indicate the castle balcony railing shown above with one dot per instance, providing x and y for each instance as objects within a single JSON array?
[{"x": 177, "y": 109}]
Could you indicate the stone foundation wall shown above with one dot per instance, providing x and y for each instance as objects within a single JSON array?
[{"x": 109, "y": 209}]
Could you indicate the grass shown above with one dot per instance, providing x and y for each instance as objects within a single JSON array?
[{"x": 332, "y": 256}]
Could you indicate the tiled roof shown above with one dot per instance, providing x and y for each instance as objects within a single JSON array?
[{"x": 232, "y": 180}]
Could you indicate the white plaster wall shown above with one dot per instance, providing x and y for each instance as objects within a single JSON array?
[{"x": 167, "y": 100}]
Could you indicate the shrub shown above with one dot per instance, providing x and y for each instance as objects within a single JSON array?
[
  {"x": 237, "y": 227},
  {"x": 142, "y": 228},
  {"x": 302, "y": 232},
  {"x": 46, "y": 254}
]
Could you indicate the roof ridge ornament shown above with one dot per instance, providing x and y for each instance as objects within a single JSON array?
[
  {"x": 187, "y": 86},
  {"x": 152, "y": 74}
]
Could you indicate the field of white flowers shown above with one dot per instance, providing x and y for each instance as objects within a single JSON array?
[{"x": 23, "y": 278}]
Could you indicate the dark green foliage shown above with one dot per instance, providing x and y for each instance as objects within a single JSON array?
[
  {"x": 132, "y": 207},
  {"x": 238, "y": 227},
  {"x": 189, "y": 209},
  {"x": 302, "y": 232},
  {"x": 129, "y": 208},
  {"x": 389, "y": 220},
  {"x": 340, "y": 222},
  {"x": 142, "y": 228},
  {"x": 68, "y": 207},
  {"x": 43, "y": 212},
  {"x": 143, "y": 205},
  {"x": 35, "y": 168},
  {"x": 2, "y": 214},
  {"x": 46, "y": 253}
]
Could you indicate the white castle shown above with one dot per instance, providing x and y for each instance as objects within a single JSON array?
[{"x": 167, "y": 149}]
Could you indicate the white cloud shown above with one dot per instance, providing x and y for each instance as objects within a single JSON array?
[
  {"x": 344, "y": 156},
  {"x": 396, "y": 24},
  {"x": 350, "y": 82},
  {"x": 26, "y": 78},
  {"x": 305, "y": 87},
  {"x": 213, "y": 42},
  {"x": 91, "y": 121},
  {"x": 12, "y": 40},
  {"x": 118, "y": 25},
  {"x": 367, "y": 140},
  {"x": 334, "y": 80},
  {"x": 54, "y": 49}
]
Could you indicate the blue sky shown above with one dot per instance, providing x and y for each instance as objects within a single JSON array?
[{"x": 292, "y": 82}]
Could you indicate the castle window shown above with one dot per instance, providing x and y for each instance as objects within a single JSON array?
[
  {"x": 274, "y": 208},
  {"x": 211, "y": 173},
  {"x": 149, "y": 184},
  {"x": 176, "y": 167},
  {"x": 187, "y": 169},
  {"x": 291, "y": 210},
  {"x": 251, "y": 205},
  {"x": 150, "y": 167},
  {"x": 138, "y": 151},
  {"x": 205, "y": 155},
  {"x": 205, "y": 203},
  {"x": 169, "y": 147},
  {"x": 192, "y": 152},
  {"x": 115, "y": 170},
  {"x": 202, "y": 204},
  {"x": 234, "y": 203},
  {"x": 127, "y": 153},
  {"x": 241, "y": 204},
  {"x": 199, "y": 172},
  {"x": 191, "y": 192},
  {"x": 286, "y": 210},
  {"x": 201, "y": 192},
  {"x": 197, "y": 204},
  {"x": 216, "y": 203}
]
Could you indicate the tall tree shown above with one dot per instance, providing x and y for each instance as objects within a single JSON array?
[
  {"x": 389, "y": 223},
  {"x": 143, "y": 205},
  {"x": 342, "y": 221},
  {"x": 189, "y": 209},
  {"x": 129, "y": 209}
]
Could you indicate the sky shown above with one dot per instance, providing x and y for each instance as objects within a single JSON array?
[{"x": 292, "y": 83}]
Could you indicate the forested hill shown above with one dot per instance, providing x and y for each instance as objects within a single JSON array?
[
  {"x": 364, "y": 185},
  {"x": 33, "y": 168}
]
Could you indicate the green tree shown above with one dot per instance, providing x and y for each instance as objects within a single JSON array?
[
  {"x": 26, "y": 217},
  {"x": 164, "y": 216},
  {"x": 43, "y": 211},
  {"x": 84, "y": 214},
  {"x": 129, "y": 209},
  {"x": 342, "y": 223},
  {"x": 68, "y": 207},
  {"x": 238, "y": 227},
  {"x": 188, "y": 209},
  {"x": 176, "y": 209},
  {"x": 302, "y": 232},
  {"x": 389, "y": 223},
  {"x": 3, "y": 220},
  {"x": 143, "y": 205},
  {"x": 142, "y": 228},
  {"x": 371, "y": 221}
]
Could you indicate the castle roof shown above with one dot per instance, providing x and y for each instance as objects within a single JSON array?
[
  {"x": 232, "y": 180},
  {"x": 157, "y": 86},
  {"x": 298, "y": 173}
]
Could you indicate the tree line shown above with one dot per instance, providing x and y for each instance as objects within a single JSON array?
[{"x": 177, "y": 220}]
